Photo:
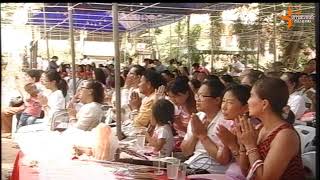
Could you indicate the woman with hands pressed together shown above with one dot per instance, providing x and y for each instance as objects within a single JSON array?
[
  {"x": 208, "y": 153},
  {"x": 52, "y": 103},
  {"x": 234, "y": 105},
  {"x": 91, "y": 94},
  {"x": 264, "y": 148},
  {"x": 182, "y": 96}
]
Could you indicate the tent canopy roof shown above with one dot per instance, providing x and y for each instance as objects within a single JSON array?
[{"x": 97, "y": 17}]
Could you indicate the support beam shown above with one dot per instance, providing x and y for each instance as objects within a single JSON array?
[
  {"x": 117, "y": 67},
  {"x": 170, "y": 53},
  {"x": 51, "y": 28},
  {"x": 124, "y": 16},
  {"x": 125, "y": 47},
  {"x": 274, "y": 35},
  {"x": 179, "y": 36},
  {"x": 71, "y": 38},
  {"x": 212, "y": 44},
  {"x": 258, "y": 42},
  {"x": 188, "y": 44},
  {"x": 46, "y": 33}
]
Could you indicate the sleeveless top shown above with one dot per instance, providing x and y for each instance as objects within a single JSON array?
[{"x": 294, "y": 170}]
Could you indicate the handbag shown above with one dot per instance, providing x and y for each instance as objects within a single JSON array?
[
  {"x": 16, "y": 101},
  {"x": 59, "y": 120}
]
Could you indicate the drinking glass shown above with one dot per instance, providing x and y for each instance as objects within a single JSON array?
[
  {"x": 173, "y": 168},
  {"x": 141, "y": 139},
  {"x": 182, "y": 171}
]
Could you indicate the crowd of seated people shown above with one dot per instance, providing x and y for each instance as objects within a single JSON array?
[{"x": 221, "y": 124}]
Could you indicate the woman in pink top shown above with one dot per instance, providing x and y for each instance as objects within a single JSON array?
[
  {"x": 234, "y": 104},
  {"x": 182, "y": 96}
]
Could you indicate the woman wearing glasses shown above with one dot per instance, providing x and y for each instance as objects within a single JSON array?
[{"x": 91, "y": 95}]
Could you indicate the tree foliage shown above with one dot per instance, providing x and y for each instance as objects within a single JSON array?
[
  {"x": 292, "y": 42},
  {"x": 195, "y": 56},
  {"x": 216, "y": 25}
]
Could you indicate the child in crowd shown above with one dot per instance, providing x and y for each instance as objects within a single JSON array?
[
  {"x": 32, "y": 109},
  {"x": 162, "y": 137}
]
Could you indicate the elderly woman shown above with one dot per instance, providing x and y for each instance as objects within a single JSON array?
[{"x": 91, "y": 94}]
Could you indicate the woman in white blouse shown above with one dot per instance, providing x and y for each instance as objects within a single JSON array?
[
  {"x": 52, "y": 102},
  {"x": 296, "y": 100},
  {"x": 91, "y": 94},
  {"x": 55, "y": 101}
]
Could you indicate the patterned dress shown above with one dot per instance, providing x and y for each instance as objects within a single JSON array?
[{"x": 294, "y": 170}]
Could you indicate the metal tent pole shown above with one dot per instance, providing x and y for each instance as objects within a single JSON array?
[
  {"x": 170, "y": 43},
  {"x": 133, "y": 12},
  {"x": 274, "y": 35},
  {"x": 179, "y": 34},
  {"x": 151, "y": 41},
  {"x": 188, "y": 44},
  {"x": 259, "y": 42},
  {"x": 46, "y": 32},
  {"x": 71, "y": 38},
  {"x": 258, "y": 50},
  {"x": 115, "y": 29},
  {"x": 211, "y": 33},
  {"x": 125, "y": 48}
]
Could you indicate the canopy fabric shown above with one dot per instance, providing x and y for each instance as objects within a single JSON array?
[
  {"x": 97, "y": 17},
  {"x": 82, "y": 20}
]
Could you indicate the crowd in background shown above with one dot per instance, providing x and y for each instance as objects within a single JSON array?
[{"x": 232, "y": 123}]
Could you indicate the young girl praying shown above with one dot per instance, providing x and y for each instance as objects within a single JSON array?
[
  {"x": 33, "y": 107},
  {"x": 162, "y": 137}
]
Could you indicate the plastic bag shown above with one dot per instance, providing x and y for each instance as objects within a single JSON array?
[{"x": 106, "y": 143}]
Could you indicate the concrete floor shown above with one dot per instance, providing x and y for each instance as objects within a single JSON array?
[{"x": 9, "y": 151}]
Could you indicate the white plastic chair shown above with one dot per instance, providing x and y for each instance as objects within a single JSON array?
[
  {"x": 14, "y": 124},
  {"x": 309, "y": 161},
  {"x": 306, "y": 134}
]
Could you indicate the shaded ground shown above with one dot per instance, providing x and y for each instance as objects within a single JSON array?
[
  {"x": 8, "y": 147},
  {"x": 9, "y": 151}
]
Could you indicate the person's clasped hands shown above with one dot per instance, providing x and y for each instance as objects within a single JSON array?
[
  {"x": 160, "y": 92},
  {"x": 247, "y": 134},
  {"x": 135, "y": 101},
  {"x": 199, "y": 129}
]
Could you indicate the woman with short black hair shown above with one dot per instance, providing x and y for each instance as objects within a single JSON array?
[{"x": 91, "y": 95}]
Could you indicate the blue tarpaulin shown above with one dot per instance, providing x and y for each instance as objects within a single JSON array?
[
  {"x": 97, "y": 17},
  {"x": 82, "y": 20}
]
